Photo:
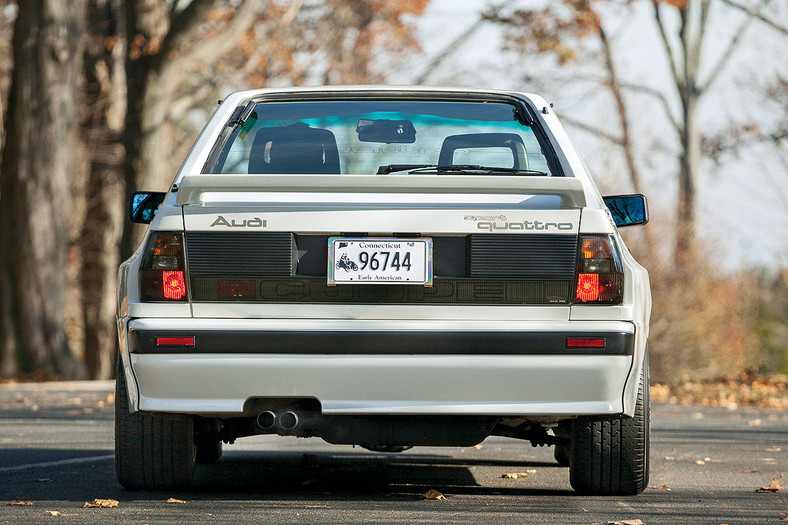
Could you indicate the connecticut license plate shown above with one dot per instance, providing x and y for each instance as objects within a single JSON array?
[{"x": 379, "y": 261}]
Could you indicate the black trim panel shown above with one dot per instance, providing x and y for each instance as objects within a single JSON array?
[{"x": 380, "y": 342}]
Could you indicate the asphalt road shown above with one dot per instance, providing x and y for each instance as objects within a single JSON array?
[{"x": 56, "y": 451}]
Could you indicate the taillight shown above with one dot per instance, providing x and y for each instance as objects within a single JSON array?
[
  {"x": 162, "y": 274},
  {"x": 600, "y": 279}
]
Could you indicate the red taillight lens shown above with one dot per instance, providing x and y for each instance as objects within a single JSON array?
[
  {"x": 237, "y": 289},
  {"x": 600, "y": 279},
  {"x": 174, "y": 287},
  {"x": 588, "y": 287},
  {"x": 162, "y": 275}
]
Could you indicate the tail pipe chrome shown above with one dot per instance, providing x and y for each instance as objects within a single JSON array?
[
  {"x": 288, "y": 420},
  {"x": 266, "y": 420}
]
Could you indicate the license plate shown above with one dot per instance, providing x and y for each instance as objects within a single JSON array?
[{"x": 379, "y": 261}]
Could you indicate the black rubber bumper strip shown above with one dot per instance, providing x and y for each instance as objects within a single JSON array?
[{"x": 380, "y": 342}]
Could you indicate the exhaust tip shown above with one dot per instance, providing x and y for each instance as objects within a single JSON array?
[
  {"x": 288, "y": 420},
  {"x": 266, "y": 420}
]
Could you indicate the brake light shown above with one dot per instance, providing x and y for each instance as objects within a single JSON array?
[
  {"x": 588, "y": 287},
  {"x": 600, "y": 279},
  {"x": 162, "y": 275},
  {"x": 173, "y": 285}
]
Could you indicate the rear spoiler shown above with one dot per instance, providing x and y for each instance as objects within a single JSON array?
[{"x": 570, "y": 190}]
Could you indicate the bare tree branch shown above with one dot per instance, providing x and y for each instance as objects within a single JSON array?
[
  {"x": 457, "y": 43},
  {"x": 704, "y": 16},
  {"x": 757, "y": 14},
  {"x": 660, "y": 97},
  {"x": 210, "y": 49},
  {"x": 677, "y": 75},
  {"x": 733, "y": 45},
  {"x": 626, "y": 135},
  {"x": 182, "y": 26},
  {"x": 588, "y": 128}
]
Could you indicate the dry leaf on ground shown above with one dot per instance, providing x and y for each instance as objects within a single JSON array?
[
  {"x": 748, "y": 471},
  {"x": 19, "y": 503},
  {"x": 514, "y": 475},
  {"x": 661, "y": 487},
  {"x": 54, "y": 513},
  {"x": 173, "y": 500},
  {"x": 773, "y": 487},
  {"x": 626, "y": 522},
  {"x": 433, "y": 494},
  {"x": 101, "y": 504}
]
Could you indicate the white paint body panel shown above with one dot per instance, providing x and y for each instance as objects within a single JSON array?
[{"x": 526, "y": 385}]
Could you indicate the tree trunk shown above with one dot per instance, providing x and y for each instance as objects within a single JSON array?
[
  {"x": 35, "y": 175},
  {"x": 690, "y": 35},
  {"x": 147, "y": 24},
  {"x": 102, "y": 227},
  {"x": 689, "y": 168}
]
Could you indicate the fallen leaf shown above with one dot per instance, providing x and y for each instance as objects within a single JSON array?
[
  {"x": 101, "y": 504},
  {"x": 173, "y": 500},
  {"x": 514, "y": 475},
  {"x": 754, "y": 423},
  {"x": 775, "y": 449},
  {"x": 20, "y": 503},
  {"x": 663, "y": 486},
  {"x": 626, "y": 522},
  {"x": 531, "y": 471},
  {"x": 54, "y": 512},
  {"x": 748, "y": 471},
  {"x": 774, "y": 486},
  {"x": 478, "y": 447},
  {"x": 670, "y": 458},
  {"x": 700, "y": 462},
  {"x": 433, "y": 494}
]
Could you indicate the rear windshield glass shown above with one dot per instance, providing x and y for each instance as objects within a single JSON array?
[{"x": 369, "y": 137}]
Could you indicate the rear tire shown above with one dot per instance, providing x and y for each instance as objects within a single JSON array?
[
  {"x": 561, "y": 453},
  {"x": 209, "y": 451},
  {"x": 152, "y": 451},
  {"x": 611, "y": 457}
]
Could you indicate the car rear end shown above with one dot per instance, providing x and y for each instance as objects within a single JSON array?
[{"x": 433, "y": 307}]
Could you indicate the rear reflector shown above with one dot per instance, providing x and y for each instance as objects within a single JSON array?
[
  {"x": 175, "y": 341},
  {"x": 578, "y": 342}
]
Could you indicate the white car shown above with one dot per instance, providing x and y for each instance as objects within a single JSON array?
[{"x": 384, "y": 267}]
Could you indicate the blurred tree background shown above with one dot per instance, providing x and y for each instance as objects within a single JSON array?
[{"x": 99, "y": 98}]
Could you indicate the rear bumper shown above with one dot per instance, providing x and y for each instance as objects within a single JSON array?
[{"x": 382, "y": 367}]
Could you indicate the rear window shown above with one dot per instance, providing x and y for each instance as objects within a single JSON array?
[{"x": 368, "y": 137}]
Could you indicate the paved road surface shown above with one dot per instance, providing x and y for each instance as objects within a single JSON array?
[{"x": 56, "y": 450}]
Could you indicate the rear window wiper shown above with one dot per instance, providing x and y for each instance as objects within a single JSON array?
[{"x": 455, "y": 168}]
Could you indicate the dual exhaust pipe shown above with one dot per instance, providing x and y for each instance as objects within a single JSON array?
[{"x": 268, "y": 419}]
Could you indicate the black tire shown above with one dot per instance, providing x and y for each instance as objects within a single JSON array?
[
  {"x": 208, "y": 451},
  {"x": 561, "y": 453},
  {"x": 152, "y": 452},
  {"x": 611, "y": 457}
]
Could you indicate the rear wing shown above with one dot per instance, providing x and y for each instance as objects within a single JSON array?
[{"x": 193, "y": 188}]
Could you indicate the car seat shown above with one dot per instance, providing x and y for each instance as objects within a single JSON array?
[{"x": 294, "y": 149}]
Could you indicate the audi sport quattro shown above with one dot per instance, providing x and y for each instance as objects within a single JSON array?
[{"x": 384, "y": 267}]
